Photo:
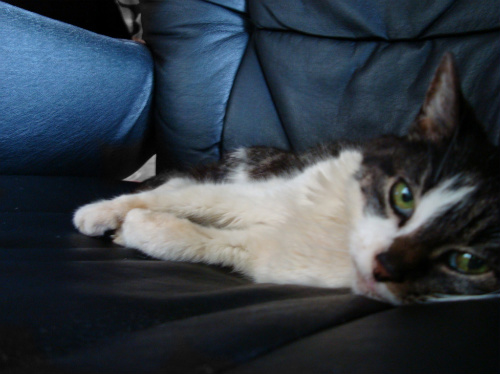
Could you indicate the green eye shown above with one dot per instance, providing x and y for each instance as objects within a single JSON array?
[
  {"x": 401, "y": 198},
  {"x": 467, "y": 263}
]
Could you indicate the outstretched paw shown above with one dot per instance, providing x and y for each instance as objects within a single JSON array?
[
  {"x": 131, "y": 228},
  {"x": 117, "y": 237},
  {"x": 136, "y": 229},
  {"x": 158, "y": 234},
  {"x": 97, "y": 218}
]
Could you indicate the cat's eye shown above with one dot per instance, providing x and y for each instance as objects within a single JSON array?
[
  {"x": 401, "y": 198},
  {"x": 467, "y": 263}
]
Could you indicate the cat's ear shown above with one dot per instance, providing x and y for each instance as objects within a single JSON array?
[{"x": 440, "y": 113}]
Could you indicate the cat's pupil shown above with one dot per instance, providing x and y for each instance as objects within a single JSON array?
[
  {"x": 406, "y": 195},
  {"x": 475, "y": 263}
]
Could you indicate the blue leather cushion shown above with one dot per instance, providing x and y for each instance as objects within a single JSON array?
[
  {"x": 71, "y": 102},
  {"x": 344, "y": 69},
  {"x": 198, "y": 47},
  {"x": 294, "y": 73}
]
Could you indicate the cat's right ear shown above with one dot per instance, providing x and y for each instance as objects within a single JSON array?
[{"x": 440, "y": 113}]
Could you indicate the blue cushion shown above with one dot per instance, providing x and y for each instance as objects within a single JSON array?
[
  {"x": 357, "y": 69},
  {"x": 71, "y": 102},
  {"x": 294, "y": 73},
  {"x": 198, "y": 47}
]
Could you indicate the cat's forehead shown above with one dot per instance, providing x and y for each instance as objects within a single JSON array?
[{"x": 432, "y": 163}]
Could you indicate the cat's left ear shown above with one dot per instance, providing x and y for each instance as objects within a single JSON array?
[{"x": 440, "y": 113}]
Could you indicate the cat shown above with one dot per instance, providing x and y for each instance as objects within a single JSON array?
[{"x": 401, "y": 219}]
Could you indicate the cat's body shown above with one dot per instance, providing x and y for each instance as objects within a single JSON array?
[{"x": 396, "y": 218}]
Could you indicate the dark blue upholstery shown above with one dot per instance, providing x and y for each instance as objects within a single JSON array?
[
  {"x": 198, "y": 46},
  {"x": 291, "y": 73}
]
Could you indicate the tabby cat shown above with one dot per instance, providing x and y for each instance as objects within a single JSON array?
[{"x": 400, "y": 219}]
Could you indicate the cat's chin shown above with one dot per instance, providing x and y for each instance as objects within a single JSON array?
[{"x": 367, "y": 286}]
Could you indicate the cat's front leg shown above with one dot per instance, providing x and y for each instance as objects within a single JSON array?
[
  {"x": 164, "y": 236},
  {"x": 97, "y": 218}
]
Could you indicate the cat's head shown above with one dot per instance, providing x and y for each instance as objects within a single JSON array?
[{"x": 430, "y": 225}]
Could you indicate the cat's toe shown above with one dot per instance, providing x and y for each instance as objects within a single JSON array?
[
  {"x": 150, "y": 232},
  {"x": 97, "y": 218},
  {"x": 117, "y": 237},
  {"x": 134, "y": 226}
]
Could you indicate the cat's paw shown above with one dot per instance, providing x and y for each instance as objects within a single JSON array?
[
  {"x": 118, "y": 237},
  {"x": 97, "y": 218},
  {"x": 157, "y": 234},
  {"x": 138, "y": 228}
]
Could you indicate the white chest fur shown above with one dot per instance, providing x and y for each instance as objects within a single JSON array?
[{"x": 310, "y": 244}]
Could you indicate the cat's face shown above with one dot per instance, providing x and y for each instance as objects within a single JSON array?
[{"x": 430, "y": 225}]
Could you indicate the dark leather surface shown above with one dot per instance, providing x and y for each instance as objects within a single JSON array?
[
  {"x": 442, "y": 338},
  {"x": 71, "y": 102},
  {"x": 73, "y": 304}
]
